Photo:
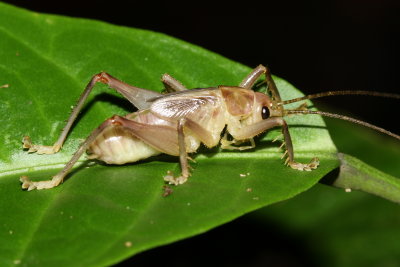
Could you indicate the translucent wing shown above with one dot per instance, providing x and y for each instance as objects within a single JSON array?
[{"x": 186, "y": 103}]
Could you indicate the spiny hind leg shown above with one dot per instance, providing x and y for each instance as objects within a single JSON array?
[
  {"x": 43, "y": 149},
  {"x": 59, "y": 177},
  {"x": 137, "y": 96},
  {"x": 39, "y": 149}
]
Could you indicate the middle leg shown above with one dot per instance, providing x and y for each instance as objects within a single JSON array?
[{"x": 183, "y": 158}]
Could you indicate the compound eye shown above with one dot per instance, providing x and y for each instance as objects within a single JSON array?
[{"x": 265, "y": 113}]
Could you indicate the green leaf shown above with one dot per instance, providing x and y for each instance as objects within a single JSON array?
[
  {"x": 355, "y": 174},
  {"x": 367, "y": 225},
  {"x": 324, "y": 226},
  {"x": 376, "y": 149},
  {"x": 103, "y": 214},
  {"x": 338, "y": 228}
]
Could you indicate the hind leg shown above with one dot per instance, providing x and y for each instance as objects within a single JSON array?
[
  {"x": 137, "y": 96},
  {"x": 59, "y": 177}
]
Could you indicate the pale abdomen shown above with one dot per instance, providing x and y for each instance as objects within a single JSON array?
[{"x": 117, "y": 146}]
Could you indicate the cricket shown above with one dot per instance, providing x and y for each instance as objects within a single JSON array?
[{"x": 178, "y": 121}]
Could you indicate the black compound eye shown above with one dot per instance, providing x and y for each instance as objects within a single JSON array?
[{"x": 265, "y": 113}]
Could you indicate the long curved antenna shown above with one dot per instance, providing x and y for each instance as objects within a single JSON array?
[
  {"x": 345, "y": 92},
  {"x": 342, "y": 117}
]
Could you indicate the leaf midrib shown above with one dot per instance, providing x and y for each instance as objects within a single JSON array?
[{"x": 220, "y": 156}]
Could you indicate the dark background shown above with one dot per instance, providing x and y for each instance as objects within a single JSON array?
[{"x": 315, "y": 45}]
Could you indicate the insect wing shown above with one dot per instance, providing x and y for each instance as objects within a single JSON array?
[{"x": 186, "y": 103}]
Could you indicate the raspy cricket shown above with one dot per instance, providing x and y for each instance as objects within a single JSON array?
[{"x": 177, "y": 122}]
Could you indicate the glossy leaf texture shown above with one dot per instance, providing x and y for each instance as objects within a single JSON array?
[
  {"x": 368, "y": 225},
  {"x": 310, "y": 229},
  {"x": 103, "y": 214}
]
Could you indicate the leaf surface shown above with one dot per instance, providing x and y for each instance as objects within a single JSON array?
[
  {"x": 365, "y": 223},
  {"x": 311, "y": 228},
  {"x": 102, "y": 214}
]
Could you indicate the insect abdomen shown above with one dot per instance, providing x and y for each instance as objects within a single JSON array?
[{"x": 117, "y": 146}]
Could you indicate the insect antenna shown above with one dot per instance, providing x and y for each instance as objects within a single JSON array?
[
  {"x": 341, "y": 117},
  {"x": 345, "y": 92}
]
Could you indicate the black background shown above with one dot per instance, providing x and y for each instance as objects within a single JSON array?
[{"x": 315, "y": 45}]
